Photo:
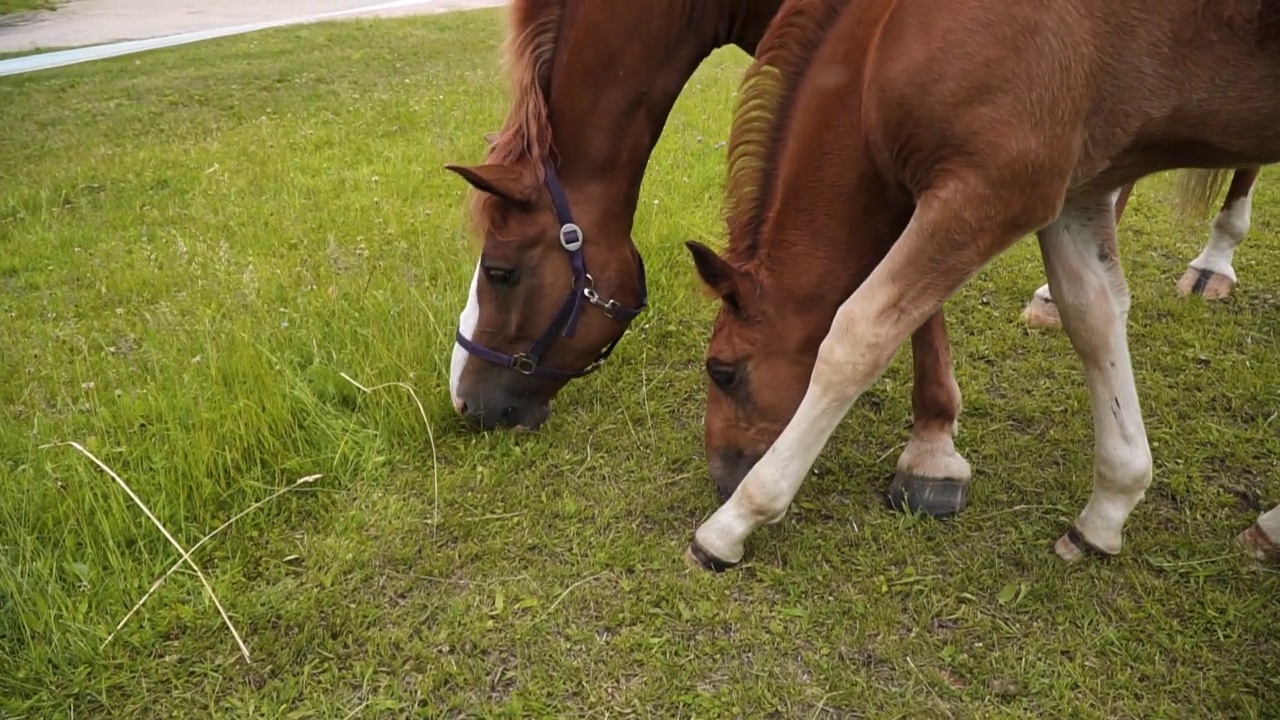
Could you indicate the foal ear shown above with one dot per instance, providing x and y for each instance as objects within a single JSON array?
[
  {"x": 717, "y": 275},
  {"x": 504, "y": 181},
  {"x": 491, "y": 139}
]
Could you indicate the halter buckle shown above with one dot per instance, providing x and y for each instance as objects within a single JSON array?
[
  {"x": 611, "y": 309},
  {"x": 523, "y": 363},
  {"x": 571, "y": 237}
]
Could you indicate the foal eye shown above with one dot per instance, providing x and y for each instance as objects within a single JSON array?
[
  {"x": 722, "y": 374},
  {"x": 500, "y": 275}
]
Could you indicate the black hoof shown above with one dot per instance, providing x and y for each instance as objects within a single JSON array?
[
  {"x": 1083, "y": 546},
  {"x": 935, "y": 497},
  {"x": 705, "y": 560}
]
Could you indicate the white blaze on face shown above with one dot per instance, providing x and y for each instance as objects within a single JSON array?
[{"x": 466, "y": 325}]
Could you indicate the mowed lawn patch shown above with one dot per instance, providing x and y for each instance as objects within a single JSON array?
[
  {"x": 196, "y": 244},
  {"x": 13, "y": 6}
]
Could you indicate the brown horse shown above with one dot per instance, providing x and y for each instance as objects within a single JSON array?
[
  {"x": 559, "y": 279},
  {"x": 920, "y": 140},
  {"x": 1209, "y": 275}
]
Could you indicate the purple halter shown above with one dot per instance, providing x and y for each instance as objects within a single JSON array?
[{"x": 565, "y": 322}]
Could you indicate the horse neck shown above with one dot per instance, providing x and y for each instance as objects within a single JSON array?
[{"x": 618, "y": 70}]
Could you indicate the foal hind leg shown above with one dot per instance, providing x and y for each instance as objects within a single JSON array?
[
  {"x": 1210, "y": 275},
  {"x": 955, "y": 230},
  {"x": 931, "y": 476},
  {"x": 1088, "y": 282},
  {"x": 1263, "y": 537},
  {"x": 1041, "y": 311}
]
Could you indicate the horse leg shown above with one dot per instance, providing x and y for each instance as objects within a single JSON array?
[
  {"x": 1088, "y": 282},
  {"x": 1040, "y": 311},
  {"x": 1263, "y": 537},
  {"x": 1210, "y": 275},
  {"x": 955, "y": 230},
  {"x": 931, "y": 477}
]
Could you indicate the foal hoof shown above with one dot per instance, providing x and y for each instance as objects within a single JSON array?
[
  {"x": 935, "y": 497},
  {"x": 1256, "y": 541},
  {"x": 703, "y": 560},
  {"x": 1041, "y": 313},
  {"x": 1072, "y": 547},
  {"x": 1207, "y": 284}
]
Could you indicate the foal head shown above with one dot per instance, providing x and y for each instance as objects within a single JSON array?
[
  {"x": 793, "y": 200},
  {"x": 757, "y": 365}
]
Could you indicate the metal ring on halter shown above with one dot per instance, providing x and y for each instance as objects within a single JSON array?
[
  {"x": 522, "y": 363},
  {"x": 570, "y": 245}
]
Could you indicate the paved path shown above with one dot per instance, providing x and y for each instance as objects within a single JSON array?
[{"x": 118, "y": 27}]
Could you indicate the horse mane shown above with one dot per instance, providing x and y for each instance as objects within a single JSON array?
[
  {"x": 763, "y": 112},
  {"x": 534, "y": 27}
]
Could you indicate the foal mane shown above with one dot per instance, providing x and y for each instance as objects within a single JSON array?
[{"x": 762, "y": 115}]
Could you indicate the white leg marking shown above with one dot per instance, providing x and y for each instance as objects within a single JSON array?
[
  {"x": 1093, "y": 300},
  {"x": 933, "y": 455},
  {"x": 1225, "y": 235},
  {"x": 1270, "y": 524},
  {"x": 466, "y": 325}
]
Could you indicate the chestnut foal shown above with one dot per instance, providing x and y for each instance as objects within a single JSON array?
[
  {"x": 923, "y": 138},
  {"x": 1209, "y": 275}
]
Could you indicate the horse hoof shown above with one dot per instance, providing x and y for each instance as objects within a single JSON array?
[
  {"x": 1255, "y": 540},
  {"x": 935, "y": 497},
  {"x": 1041, "y": 313},
  {"x": 1207, "y": 284},
  {"x": 1073, "y": 548},
  {"x": 703, "y": 560}
]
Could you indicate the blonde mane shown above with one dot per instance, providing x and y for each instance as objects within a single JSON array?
[{"x": 761, "y": 116}]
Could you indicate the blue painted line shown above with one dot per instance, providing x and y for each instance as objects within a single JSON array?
[{"x": 60, "y": 58}]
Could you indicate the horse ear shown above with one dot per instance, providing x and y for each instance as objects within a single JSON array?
[
  {"x": 504, "y": 181},
  {"x": 717, "y": 275},
  {"x": 491, "y": 139}
]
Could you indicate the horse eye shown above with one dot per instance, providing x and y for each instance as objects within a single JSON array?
[
  {"x": 722, "y": 374},
  {"x": 500, "y": 275}
]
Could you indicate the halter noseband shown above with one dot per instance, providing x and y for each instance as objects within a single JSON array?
[{"x": 565, "y": 323}]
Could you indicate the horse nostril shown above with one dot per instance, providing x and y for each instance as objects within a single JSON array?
[{"x": 461, "y": 407}]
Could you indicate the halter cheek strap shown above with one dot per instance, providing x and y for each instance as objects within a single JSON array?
[{"x": 565, "y": 322}]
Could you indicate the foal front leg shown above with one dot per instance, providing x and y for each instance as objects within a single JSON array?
[
  {"x": 1093, "y": 298},
  {"x": 931, "y": 476},
  {"x": 954, "y": 231}
]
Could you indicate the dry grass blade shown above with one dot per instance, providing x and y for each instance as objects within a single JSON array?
[
  {"x": 186, "y": 556},
  {"x": 431, "y": 438},
  {"x": 174, "y": 568}
]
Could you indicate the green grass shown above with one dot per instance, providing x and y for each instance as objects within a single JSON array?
[
  {"x": 195, "y": 243},
  {"x": 13, "y": 6}
]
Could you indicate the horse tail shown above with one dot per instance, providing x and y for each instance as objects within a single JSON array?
[{"x": 1195, "y": 190}]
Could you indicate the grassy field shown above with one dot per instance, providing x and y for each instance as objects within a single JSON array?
[
  {"x": 13, "y": 6},
  {"x": 196, "y": 244}
]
